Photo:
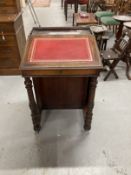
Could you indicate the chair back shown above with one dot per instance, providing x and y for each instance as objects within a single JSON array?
[
  {"x": 118, "y": 6},
  {"x": 122, "y": 45},
  {"x": 125, "y": 7},
  {"x": 114, "y": 4},
  {"x": 94, "y": 4}
]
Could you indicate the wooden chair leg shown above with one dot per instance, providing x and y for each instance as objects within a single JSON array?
[
  {"x": 76, "y": 7},
  {"x": 73, "y": 19},
  {"x": 62, "y": 3},
  {"x": 87, "y": 7},
  {"x": 128, "y": 67},
  {"x": 116, "y": 28},
  {"x": 108, "y": 74},
  {"x": 104, "y": 44},
  {"x": 113, "y": 29},
  {"x": 111, "y": 66},
  {"x": 65, "y": 10}
]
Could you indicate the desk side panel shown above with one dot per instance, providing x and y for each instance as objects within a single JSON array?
[{"x": 61, "y": 92}]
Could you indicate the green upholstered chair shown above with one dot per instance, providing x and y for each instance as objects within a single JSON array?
[
  {"x": 108, "y": 6},
  {"x": 109, "y": 21},
  {"x": 100, "y": 14},
  {"x": 105, "y": 17}
]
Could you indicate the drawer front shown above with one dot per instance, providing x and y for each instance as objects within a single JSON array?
[
  {"x": 9, "y": 57},
  {"x": 6, "y": 28},
  {"x": 9, "y": 10},
  {"x": 7, "y": 2},
  {"x": 8, "y": 40}
]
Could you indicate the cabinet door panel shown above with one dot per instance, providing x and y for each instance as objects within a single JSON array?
[
  {"x": 9, "y": 56},
  {"x": 6, "y": 28},
  {"x": 12, "y": 40},
  {"x": 7, "y": 40}
]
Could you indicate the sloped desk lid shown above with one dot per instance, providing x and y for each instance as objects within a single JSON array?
[
  {"x": 56, "y": 50},
  {"x": 60, "y": 52}
]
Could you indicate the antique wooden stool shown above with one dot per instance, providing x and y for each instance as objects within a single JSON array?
[{"x": 101, "y": 35}]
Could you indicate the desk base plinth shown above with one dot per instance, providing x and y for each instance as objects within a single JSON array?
[{"x": 61, "y": 93}]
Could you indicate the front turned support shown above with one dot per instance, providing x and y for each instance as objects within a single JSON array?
[
  {"x": 90, "y": 103},
  {"x": 35, "y": 112},
  {"x": 128, "y": 67}
]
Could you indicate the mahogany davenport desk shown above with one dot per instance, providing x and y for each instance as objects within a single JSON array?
[{"x": 60, "y": 67}]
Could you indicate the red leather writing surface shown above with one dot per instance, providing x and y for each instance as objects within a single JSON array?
[{"x": 60, "y": 50}]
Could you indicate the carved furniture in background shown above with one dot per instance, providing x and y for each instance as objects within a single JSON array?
[
  {"x": 128, "y": 54},
  {"x": 60, "y": 67},
  {"x": 121, "y": 19},
  {"x": 106, "y": 10},
  {"x": 12, "y": 43},
  {"x": 94, "y": 5},
  {"x": 106, "y": 17},
  {"x": 78, "y": 20},
  {"x": 119, "y": 52},
  {"x": 75, "y": 3},
  {"x": 10, "y": 6},
  {"x": 12, "y": 37},
  {"x": 106, "y": 4}
]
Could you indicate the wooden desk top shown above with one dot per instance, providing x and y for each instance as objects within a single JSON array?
[
  {"x": 61, "y": 52},
  {"x": 85, "y": 20}
]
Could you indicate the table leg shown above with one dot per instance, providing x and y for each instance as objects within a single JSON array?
[
  {"x": 90, "y": 103},
  {"x": 119, "y": 33},
  {"x": 35, "y": 112},
  {"x": 73, "y": 19},
  {"x": 61, "y": 3},
  {"x": 76, "y": 6},
  {"x": 128, "y": 68}
]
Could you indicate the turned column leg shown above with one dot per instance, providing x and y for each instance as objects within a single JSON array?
[
  {"x": 119, "y": 32},
  {"x": 128, "y": 67},
  {"x": 90, "y": 103},
  {"x": 35, "y": 112}
]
